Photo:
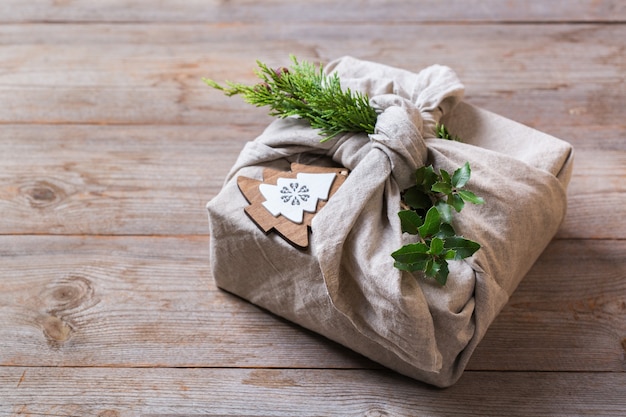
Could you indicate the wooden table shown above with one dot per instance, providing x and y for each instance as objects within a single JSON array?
[{"x": 110, "y": 146}]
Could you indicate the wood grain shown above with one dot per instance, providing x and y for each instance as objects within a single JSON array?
[
  {"x": 112, "y": 180},
  {"x": 597, "y": 196},
  {"x": 137, "y": 301},
  {"x": 266, "y": 392},
  {"x": 146, "y": 180},
  {"x": 145, "y": 301},
  {"x": 571, "y": 304},
  {"x": 151, "y": 74},
  {"x": 281, "y": 11}
]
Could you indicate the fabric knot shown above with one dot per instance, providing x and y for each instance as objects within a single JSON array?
[{"x": 399, "y": 134}]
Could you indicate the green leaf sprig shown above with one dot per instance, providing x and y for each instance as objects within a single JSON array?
[
  {"x": 429, "y": 215},
  {"x": 305, "y": 91}
]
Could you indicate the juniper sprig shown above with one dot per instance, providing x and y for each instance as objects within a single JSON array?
[{"x": 305, "y": 91}]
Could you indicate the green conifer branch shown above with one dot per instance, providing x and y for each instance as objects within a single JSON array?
[{"x": 305, "y": 91}]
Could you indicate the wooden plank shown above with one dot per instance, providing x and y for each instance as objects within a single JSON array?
[
  {"x": 496, "y": 48},
  {"x": 151, "y": 74},
  {"x": 597, "y": 196},
  {"x": 146, "y": 301},
  {"x": 146, "y": 180},
  {"x": 568, "y": 303},
  {"x": 78, "y": 179},
  {"x": 281, "y": 11},
  {"x": 262, "y": 392},
  {"x": 137, "y": 302}
]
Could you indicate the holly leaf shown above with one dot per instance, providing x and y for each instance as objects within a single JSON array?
[
  {"x": 412, "y": 253},
  {"x": 462, "y": 247},
  {"x": 412, "y": 267},
  {"x": 445, "y": 177},
  {"x": 420, "y": 174},
  {"x": 426, "y": 177},
  {"x": 432, "y": 268},
  {"x": 445, "y": 230},
  {"x": 445, "y": 211},
  {"x": 436, "y": 246},
  {"x": 461, "y": 176},
  {"x": 442, "y": 275},
  {"x": 431, "y": 225},
  {"x": 457, "y": 202},
  {"x": 437, "y": 270},
  {"x": 470, "y": 197},
  {"x": 410, "y": 221},
  {"x": 417, "y": 199},
  {"x": 442, "y": 187},
  {"x": 412, "y": 257}
]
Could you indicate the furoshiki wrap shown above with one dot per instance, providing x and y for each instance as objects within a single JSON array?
[{"x": 344, "y": 285}]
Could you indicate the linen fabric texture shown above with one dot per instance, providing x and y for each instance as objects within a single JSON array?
[{"x": 344, "y": 286}]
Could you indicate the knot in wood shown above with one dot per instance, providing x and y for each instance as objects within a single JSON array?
[
  {"x": 109, "y": 413},
  {"x": 69, "y": 294},
  {"x": 41, "y": 194},
  {"x": 377, "y": 413},
  {"x": 56, "y": 330}
]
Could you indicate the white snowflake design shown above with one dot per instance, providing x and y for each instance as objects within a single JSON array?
[{"x": 295, "y": 193}]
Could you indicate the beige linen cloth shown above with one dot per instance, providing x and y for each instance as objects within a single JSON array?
[{"x": 345, "y": 286}]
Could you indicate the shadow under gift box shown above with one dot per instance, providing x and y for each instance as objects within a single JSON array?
[{"x": 344, "y": 286}]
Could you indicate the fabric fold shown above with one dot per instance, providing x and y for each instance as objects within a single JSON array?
[{"x": 398, "y": 134}]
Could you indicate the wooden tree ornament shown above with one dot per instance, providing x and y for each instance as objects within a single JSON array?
[{"x": 286, "y": 202}]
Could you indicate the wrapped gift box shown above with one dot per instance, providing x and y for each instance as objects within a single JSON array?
[{"x": 344, "y": 285}]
